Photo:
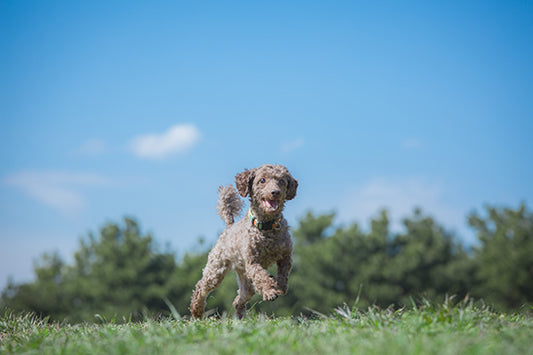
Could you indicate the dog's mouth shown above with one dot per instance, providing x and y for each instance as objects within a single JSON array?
[{"x": 270, "y": 205}]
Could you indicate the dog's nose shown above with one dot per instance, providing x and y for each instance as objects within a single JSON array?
[{"x": 275, "y": 193}]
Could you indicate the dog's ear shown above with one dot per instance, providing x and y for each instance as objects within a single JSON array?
[
  {"x": 244, "y": 181},
  {"x": 292, "y": 186}
]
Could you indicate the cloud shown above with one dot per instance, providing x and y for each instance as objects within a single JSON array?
[
  {"x": 59, "y": 190},
  {"x": 177, "y": 139},
  {"x": 400, "y": 197},
  {"x": 291, "y": 146}
]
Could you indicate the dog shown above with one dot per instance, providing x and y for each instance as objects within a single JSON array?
[{"x": 254, "y": 243}]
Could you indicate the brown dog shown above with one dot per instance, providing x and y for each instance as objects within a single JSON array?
[{"x": 254, "y": 243}]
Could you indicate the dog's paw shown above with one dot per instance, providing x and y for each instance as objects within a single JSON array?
[{"x": 271, "y": 294}]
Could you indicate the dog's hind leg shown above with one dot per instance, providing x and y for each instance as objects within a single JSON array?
[{"x": 213, "y": 274}]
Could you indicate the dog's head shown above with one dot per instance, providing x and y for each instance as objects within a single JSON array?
[{"x": 268, "y": 186}]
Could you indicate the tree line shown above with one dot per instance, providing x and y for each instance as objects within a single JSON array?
[{"x": 121, "y": 274}]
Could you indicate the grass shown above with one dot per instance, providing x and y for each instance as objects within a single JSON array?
[{"x": 427, "y": 329}]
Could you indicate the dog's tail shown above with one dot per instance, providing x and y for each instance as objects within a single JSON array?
[{"x": 229, "y": 204}]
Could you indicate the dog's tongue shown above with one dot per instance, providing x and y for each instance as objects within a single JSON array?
[{"x": 271, "y": 204}]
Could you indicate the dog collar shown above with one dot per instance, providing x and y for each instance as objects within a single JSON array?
[{"x": 264, "y": 226}]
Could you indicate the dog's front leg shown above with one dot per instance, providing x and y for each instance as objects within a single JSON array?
[{"x": 262, "y": 281}]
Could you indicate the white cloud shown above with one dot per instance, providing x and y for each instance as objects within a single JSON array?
[
  {"x": 59, "y": 190},
  {"x": 400, "y": 197},
  {"x": 291, "y": 146},
  {"x": 177, "y": 139}
]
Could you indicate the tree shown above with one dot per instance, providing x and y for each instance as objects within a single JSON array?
[
  {"x": 312, "y": 228},
  {"x": 120, "y": 274},
  {"x": 505, "y": 256},
  {"x": 181, "y": 284},
  {"x": 330, "y": 269},
  {"x": 427, "y": 261},
  {"x": 377, "y": 267},
  {"x": 44, "y": 296}
]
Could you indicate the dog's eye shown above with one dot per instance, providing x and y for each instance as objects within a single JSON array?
[{"x": 262, "y": 181}]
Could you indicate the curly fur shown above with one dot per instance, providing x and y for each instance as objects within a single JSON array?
[
  {"x": 229, "y": 204},
  {"x": 246, "y": 249}
]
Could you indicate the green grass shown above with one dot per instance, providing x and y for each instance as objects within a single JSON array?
[{"x": 426, "y": 329}]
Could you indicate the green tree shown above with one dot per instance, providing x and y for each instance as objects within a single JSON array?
[
  {"x": 376, "y": 267},
  {"x": 504, "y": 256},
  {"x": 43, "y": 296},
  {"x": 330, "y": 268},
  {"x": 427, "y": 261},
  {"x": 120, "y": 274},
  {"x": 312, "y": 228},
  {"x": 181, "y": 284}
]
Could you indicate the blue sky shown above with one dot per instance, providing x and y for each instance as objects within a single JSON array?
[{"x": 128, "y": 108}]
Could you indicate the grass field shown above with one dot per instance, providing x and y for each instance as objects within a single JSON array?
[{"x": 426, "y": 329}]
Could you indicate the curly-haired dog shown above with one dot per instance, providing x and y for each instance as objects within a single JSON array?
[{"x": 254, "y": 243}]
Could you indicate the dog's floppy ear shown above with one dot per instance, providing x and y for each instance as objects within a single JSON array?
[
  {"x": 291, "y": 188},
  {"x": 244, "y": 181}
]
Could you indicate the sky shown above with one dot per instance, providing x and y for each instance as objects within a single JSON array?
[{"x": 127, "y": 108}]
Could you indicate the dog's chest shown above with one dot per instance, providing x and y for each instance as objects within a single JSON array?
[{"x": 268, "y": 248}]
